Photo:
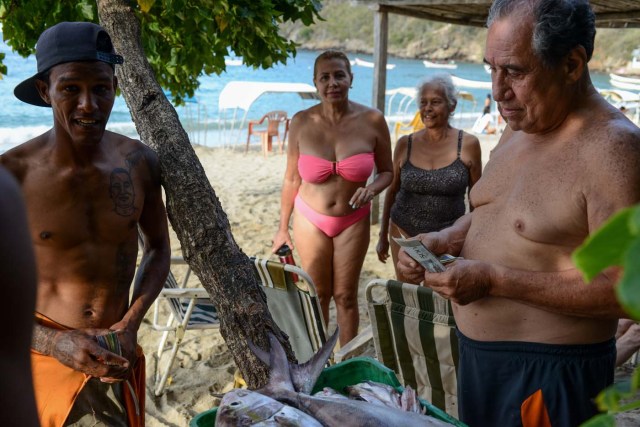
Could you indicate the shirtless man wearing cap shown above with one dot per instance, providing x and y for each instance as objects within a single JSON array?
[
  {"x": 536, "y": 342},
  {"x": 87, "y": 192}
]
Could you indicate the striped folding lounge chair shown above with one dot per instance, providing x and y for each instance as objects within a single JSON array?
[
  {"x": 189, "y": 308},
  {"x": 293, "y": 304},
  {"x": 414, "y": 334}
]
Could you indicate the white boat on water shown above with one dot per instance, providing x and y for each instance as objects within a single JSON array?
[
  {"x": 448, "y": 65},
  {"x": 626, "y": 79},
  {"x": 476, "y": 84},
  {"x": 363, "y": 63},
  {"x": 625, "y": 85}
]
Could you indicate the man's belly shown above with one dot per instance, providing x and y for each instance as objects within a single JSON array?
[
  {"x": 500, "y": 319},
  {"x": 80, "y": 306}
]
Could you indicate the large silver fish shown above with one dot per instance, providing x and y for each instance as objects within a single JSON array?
[
  {"x": 376, "y": 393},
  {"x": 328, "y": 411},
  {"x": 240, "y": 407}
]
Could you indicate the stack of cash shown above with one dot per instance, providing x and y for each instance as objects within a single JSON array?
[{"x": 110, "y": 342}]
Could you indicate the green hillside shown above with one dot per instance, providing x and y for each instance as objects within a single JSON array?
[{"x": 349, "y": 27}]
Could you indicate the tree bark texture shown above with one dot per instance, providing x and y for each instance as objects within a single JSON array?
[{"x": 192, "y": 205}]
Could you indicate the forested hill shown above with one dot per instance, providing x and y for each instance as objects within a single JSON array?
[{"x": 349, "y": 27}]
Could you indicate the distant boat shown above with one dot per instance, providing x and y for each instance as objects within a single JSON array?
[
  {"x": 363, "y": 63},
  {"x": 476, "y": 84},
  {"x": 625, "y": 79},
  {"x": 449, "y": 65},
  {"x": 624, "y": 85}
]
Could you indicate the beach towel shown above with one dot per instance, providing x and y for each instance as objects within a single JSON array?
[{"x": 57, "y": 386}]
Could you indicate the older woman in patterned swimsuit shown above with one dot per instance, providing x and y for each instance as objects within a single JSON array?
[
  {"x": 433, "y": 170},
  {"x": 333, "y": 148}
]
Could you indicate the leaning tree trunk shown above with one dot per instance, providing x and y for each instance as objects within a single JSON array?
[{"x": 193, "y": 208}]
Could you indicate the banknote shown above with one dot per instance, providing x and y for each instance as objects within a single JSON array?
[
  {"x": 424, "y": 256},
  {"x": 110, "y": 342}
]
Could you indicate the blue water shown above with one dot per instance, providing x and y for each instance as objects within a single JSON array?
[{"x": 20, "y": 121}]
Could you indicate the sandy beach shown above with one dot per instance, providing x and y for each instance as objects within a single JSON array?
[{"x": 248, "y": 186}]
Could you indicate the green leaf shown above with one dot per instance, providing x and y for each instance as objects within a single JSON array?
[
  {"x": 634, "y": 222},
  {"x": 606, "y": 247},
  {"x": 628, "y": 290},
  {"x": 602, "y": 420},
  {"x": 609, "y": 399}
]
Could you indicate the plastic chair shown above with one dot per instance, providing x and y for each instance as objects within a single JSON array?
[
  {"x": 274, "y": 118},
  {"x": 406, "y": 128},
  {"x": 414, "y": 334},
  {"x": 294, "y": 305}
]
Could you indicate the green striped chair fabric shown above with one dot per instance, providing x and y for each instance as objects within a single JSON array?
[
  {"x": 294, "y": 305},
  {"x": 414, "y": 334}
]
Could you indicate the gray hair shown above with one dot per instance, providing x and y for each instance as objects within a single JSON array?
[
  {"x": 444, "y": 81},
  {"x": 558, "y": 25}
]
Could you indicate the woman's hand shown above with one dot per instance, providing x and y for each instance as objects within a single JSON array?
[
  {"x": 282, "y": 237},
  {"x": 382, "y": 248},
  {"x": 361, "y": 197}
]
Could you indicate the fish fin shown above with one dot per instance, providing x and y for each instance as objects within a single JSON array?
[
  {"x": 258, "y": 352},
  {"x": 304, "y": 376},
  {"x": 279, "y": 374}
]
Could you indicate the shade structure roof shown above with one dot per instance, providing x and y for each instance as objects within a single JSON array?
[
  {"x": 239, "y": 94},
  {"x": 609, "y": 13}
]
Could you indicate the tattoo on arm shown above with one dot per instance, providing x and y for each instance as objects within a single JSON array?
[{"x": 42, "y": 340}]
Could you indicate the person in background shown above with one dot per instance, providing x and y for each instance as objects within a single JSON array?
[
  {"x": 88, "y": 191},
  {"x": 333, "y": 149},
  {"x": 18, "y": 277},
  {"x": 487, "y": 105},
  {"x": 536, "y": 342},
  {"x": 433, "y": 169}
]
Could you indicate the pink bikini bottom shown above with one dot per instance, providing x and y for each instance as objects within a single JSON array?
[{"x": 331, "y": 225}]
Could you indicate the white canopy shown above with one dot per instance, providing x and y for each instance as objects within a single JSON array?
[{"x": 241, "y": 95}]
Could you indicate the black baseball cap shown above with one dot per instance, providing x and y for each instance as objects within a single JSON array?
[{"x": 67, "y": 42}]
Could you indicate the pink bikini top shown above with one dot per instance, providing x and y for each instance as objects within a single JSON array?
[{"x": 316, "y": 170}]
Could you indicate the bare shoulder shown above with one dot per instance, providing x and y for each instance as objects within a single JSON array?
[
  {"x": 372, "y": 114},
  {"x": 470, "y": 141},
  {"x": 19, "y": 159},
  {"x": 401, "y": 147},
  {"x": 611, "y": 153},
  {"x": 616, "y": 139},
  {"x": 136, "y": 155},
  {"x": 305, "y": 115}
]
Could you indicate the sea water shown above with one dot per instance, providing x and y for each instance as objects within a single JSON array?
[{"x": 203, "y": 120}]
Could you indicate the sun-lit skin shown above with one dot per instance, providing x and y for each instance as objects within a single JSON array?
[
  {"x": 434, "y": 109},
  {"x": 82, "y": 95},
  {"x": 333, "y": 80},
  {"x": 530, "y": 98}
]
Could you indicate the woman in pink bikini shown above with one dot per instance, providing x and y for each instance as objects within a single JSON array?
[{"x": 333, "y": 149}]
